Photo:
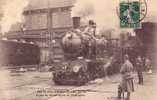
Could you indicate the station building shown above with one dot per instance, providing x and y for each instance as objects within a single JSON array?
[{"x": 44, "y": 21}]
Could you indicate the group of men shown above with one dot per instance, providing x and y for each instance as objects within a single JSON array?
[
  {"x": 89, "y": 37},
  {"x": 90, "y": 30},
  {"x": 127, "y": 84}
]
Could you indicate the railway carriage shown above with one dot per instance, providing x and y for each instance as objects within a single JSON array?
[{"x": 14, "y": 53}]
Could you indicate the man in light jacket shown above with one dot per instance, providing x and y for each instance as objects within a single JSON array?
[{"x": 126, "y": 84}]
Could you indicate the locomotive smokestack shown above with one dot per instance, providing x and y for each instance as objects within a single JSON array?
[{"x": 76, "y": 22}]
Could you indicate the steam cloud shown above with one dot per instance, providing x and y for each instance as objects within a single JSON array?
[
  {"x": 12, "y": 13},
  {"x": 103, "y": 12}
]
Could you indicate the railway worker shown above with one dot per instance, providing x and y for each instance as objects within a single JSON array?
[
  {"x": 91, "y": 31},
  {"x": 101, "y": 45},
  {"x": 89, "y": 35},
  {"x": 139, "y": 69},
  {"x": 127, "y": 84}
]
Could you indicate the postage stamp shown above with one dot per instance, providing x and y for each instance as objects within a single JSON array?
[{"x": 130, "y": 15}]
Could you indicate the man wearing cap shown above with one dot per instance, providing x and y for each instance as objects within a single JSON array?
[
  {"x": 139, "y": 68},
  {"x": 126, "y": 84},
  {"x": 89, "y": 35},
  {"x": 90, "y": 30}
]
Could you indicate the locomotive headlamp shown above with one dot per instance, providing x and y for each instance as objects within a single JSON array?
[
  {"x": 80, "y": 58},
  {"x": 76, "y": 68},
  {"x": 64, "y": 67}
]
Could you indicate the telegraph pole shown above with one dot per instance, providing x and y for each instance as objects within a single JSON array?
[{"x": 49, "y": 29}]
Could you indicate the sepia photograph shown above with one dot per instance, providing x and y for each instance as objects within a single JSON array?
[{"x": 78, "y": 49}]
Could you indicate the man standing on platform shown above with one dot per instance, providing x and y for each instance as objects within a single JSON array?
[
  {"x": 139, "y": 68},
  {"x": 127, "y": 84}
]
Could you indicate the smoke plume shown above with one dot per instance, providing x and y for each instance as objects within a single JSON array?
[
  {"x": 103, "y": 12},
  {"x": 12, "y": 13}
]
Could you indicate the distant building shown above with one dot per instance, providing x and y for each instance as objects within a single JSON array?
[
  {"x": 147, "y": 35},
  {"x": 44, "y": 19}
]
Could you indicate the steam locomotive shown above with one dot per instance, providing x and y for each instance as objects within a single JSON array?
[
  {"x": 87, "y": 58},
  {"x": 84, "y": 59}
]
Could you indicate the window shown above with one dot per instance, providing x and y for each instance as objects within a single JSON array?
[{"x": 61, "y": 19}]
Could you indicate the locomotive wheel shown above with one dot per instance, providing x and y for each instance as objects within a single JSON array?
[
  {"x": 57, "y": 78},
  {"x": 81, "y": 80}
]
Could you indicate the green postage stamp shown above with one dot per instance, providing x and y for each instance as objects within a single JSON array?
[{"x": 130, "y": 15}]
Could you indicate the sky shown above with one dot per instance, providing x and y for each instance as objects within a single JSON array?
[
  {"x": 152, "y": 9},
  {"x": 12, "y": 13},
  {"x": 103, "y": 11}
]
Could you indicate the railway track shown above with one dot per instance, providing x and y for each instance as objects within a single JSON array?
[{"x": 25, "y": 87}]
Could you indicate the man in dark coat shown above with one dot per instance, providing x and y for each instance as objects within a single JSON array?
[{"x": 139, "y": 69}]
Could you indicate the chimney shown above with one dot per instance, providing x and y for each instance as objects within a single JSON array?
[{"x": 76, "y": 22}]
